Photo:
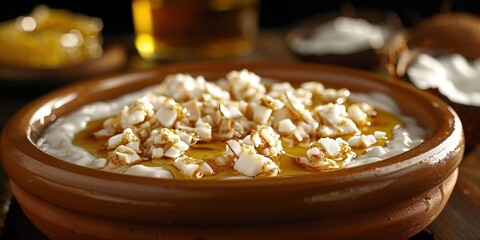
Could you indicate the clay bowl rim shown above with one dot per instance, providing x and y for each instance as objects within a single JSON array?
[
  {"x": 114, "y": 58},
  {"x": 18, "y": 129}
]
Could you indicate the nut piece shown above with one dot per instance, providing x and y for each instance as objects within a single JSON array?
[
  {"x": 127, "y": 137},
  {"x": 286, "y": 126},
  {"x": 167, "y": 114},
  {"x": 252, "y": 164},
  {"x": 192, "y": 167},
  {"x": 124, "y": 155},
  {"x": 327, "y": 154},
  {"x": 245, "y": 85},
  {"x": 167, "y": 143},
  {"x": 266, "y": 142},
  {"x": 137, "y": 112},
  {"x": 362, "y": 141},
  {"x": 335, "y": 120},
  {"x": 243, "y": 156}
]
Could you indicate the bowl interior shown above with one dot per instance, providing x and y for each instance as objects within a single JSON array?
[{"x": 431, "y": 113}]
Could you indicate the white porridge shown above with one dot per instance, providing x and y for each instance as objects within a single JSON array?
[{"x": 238, "y": 126}]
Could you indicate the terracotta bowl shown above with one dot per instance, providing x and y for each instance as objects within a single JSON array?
[
  {"x": 367, "y": 59},
  {"x": 391, "y": 199}
]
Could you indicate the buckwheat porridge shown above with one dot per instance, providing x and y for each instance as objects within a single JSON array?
[{"x": 242, "y": 125}]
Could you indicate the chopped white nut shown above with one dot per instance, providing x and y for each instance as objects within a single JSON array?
[
  {"x": 313, "y": 87},
  {"x": 173, "y": 152},
  {"x": 167, "y": 143},
  {"x": 225, "y": 129},
  {"x": 157, "y": 152},
  {"x": 330, "y": 95},
  {"x": 367, "y": 108},
  {"x": 182, "y": 86},
  {"x": 115, "y": 141},
  {"x": 193, "y": 110},
  {"x": 252, "y": 164},
  {"x": 187, "y": 137},
  {"x": 331, "y": 147},
  {"x": 327, "y": 154},
  {"x": 168, "y": 113},
  {"x": 234, "y": 147},
  {"x": 124, "y": 155},
  {"x": 255, "y": 138},
  {"x": 126, "y": 137},
  {"x": 216, "y": 92},
  {"x": 281, "y": 114},
  {"x": 245, "y": 85},
  {"x": 278, "y": 89},
  {"x": 357, "y": 115},
  {"x": 270, "y": 144},
  {"x": 300, "y": 133},
  {"x": 203, "y": 129},
  {"x": 134, "y": 145},
  {"x": 380, "y": 135},
  {"x": 192, "y": 168},
  {"x": 294, "y": 104},
  {"x": 261, "y": 114},
  {"x": 335, "y": 120},
  {"x": 230, "y": 111},
  {"x": 286, "y": 126},
  {"x": 362, "y": 141},
  {"x": 272, "y": 103},
  {"x": 136, "y": 113},
  {"x": 332, "y": 114}
]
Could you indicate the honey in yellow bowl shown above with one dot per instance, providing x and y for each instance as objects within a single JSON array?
[{"x": 50, "y": 38}]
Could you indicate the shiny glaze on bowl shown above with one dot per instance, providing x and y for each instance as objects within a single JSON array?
[{"x": 392, "y": 199}]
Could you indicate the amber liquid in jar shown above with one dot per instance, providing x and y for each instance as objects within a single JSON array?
[{"x": 194, "y": 29}]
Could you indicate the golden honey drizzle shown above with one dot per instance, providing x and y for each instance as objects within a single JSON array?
[{"x": 209, "y": 151}]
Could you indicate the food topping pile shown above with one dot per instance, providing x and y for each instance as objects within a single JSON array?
[{"x": 256, "y": 123}]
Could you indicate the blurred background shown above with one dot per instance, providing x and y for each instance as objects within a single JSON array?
[
  {"x": 19, "y": 87},
  {"x": 117, "y": 15}
]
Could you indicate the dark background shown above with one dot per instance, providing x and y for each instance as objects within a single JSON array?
[{"x": 117, "y": 16}]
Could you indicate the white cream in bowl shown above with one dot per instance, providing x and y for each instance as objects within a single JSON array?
[
  {"x": 342, "y": 35},
  {"x": 453, "y": 75},
  {"x": 254, "y": 124}
]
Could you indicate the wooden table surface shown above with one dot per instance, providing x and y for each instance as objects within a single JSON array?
[{"x": 460, "y": 219}]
